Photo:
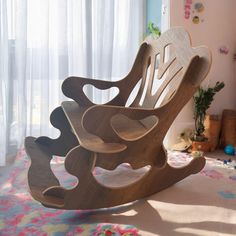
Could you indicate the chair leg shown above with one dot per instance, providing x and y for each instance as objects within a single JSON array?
[
  {"x": 80, "y": 163},
  {"x": 40, "y": 175}
]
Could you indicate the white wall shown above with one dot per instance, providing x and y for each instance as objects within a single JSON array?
[{"x": 216, "y": 29}]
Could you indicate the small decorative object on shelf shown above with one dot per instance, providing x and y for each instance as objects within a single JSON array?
[{"x": 202, "y": 101}]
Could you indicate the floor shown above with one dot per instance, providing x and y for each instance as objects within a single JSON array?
[{"x": 203, "y": 204}]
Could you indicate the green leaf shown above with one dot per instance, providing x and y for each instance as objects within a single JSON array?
[
  {"x": 202, "y": 101},
  {"x": 153, "y": 29}
]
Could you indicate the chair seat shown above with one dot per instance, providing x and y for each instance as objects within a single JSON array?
[
  {"x": 131, "y": 130},
  {"x": 74, "y": 114}
]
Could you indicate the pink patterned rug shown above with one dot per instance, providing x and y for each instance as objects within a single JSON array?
[
  {"x": 23, "y": 216},
  {"x": 203, "y": 204}
]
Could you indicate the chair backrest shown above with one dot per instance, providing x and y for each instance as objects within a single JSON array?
[{"x": 164, "y": 63}]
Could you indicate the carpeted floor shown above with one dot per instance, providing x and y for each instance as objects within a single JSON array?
[{"x": 202, "y": 204}]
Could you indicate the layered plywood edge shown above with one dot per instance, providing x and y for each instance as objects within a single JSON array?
[{"x": 126, "y": 141}]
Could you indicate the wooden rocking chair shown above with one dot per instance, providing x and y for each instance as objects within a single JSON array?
[{"x": 115, "y": 133}]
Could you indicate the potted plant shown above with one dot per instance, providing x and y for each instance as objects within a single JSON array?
[
  {"x": 202, "y": 101},
  {"x": 153, "y": 30}
]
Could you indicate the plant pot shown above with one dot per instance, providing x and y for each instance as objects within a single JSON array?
[{"x": 203, "y": 146}]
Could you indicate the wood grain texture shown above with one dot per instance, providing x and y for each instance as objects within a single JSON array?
[
  {"x": 66, "y": 141},
  {"x": 111, "y": 134},
  {"x": 92, "y": 142}
]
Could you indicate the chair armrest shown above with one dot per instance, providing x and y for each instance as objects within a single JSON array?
[{"x": 72, "y": 87}]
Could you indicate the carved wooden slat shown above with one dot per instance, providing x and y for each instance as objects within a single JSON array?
[
  {"x": 151, "y": 100},
  {"x": 144, "y": 81}
]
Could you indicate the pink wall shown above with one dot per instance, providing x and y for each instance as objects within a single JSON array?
[{"x": 217, "y": 29}]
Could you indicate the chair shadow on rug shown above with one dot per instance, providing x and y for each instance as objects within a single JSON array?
[
  {"x": 148, "y": 216},
  {"x": 192, "y": 207},
  {"x": 148, "y": 220},
  {"x": 165, "y": 75}
]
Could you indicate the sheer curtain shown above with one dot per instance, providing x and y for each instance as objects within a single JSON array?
[{"x": 42, "y": 42}]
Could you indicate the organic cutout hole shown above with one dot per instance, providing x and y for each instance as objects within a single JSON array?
[
  {"x": 123, "y": 176},
  {"x": 157, "y": 83},
  {"x": 58, "y": 168},
  {"x": 133, "y": 94},
  {"x": 178, "y": 160},
  {"x": 168, "y": 90},
  {"x": 168, "y": 52},
  {"x": 146, "y": 82},
  {"x": 100, "y": 96},
  {"x": 157, "y": 61},
  {"x": 132, "y": 130}
]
